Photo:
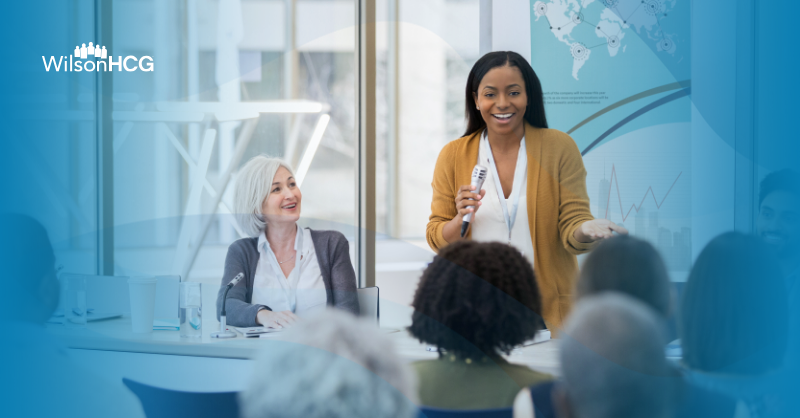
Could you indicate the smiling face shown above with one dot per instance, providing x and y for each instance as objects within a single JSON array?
[
  {"x": 502, "y": 100},
  {"x": 778, "y": 222},
  {"x": 282, "y": 204}
]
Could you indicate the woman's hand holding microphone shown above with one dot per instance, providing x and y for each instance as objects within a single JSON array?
[{"x": 467, "y": 201}]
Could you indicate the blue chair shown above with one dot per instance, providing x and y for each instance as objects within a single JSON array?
[
  {"x": 428, "y": 412},
  {"x": 165, "y": 403}
]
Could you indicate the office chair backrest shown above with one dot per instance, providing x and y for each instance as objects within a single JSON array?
[
  {"x": 369, "y": 303},
  {"x": 165, "y": 403},
  {"x": 427, "y": 412}
]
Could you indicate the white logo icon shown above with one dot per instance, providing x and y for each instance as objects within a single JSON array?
[{"x": 83, "y": 52}]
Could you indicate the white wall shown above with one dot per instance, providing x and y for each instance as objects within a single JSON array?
[{"x": 511, "y": 26}]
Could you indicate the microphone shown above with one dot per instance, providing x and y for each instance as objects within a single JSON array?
[
  {"x": 223, "y": 325},
  {"x": 236, "y": 280},
  {"x": 478, "y": 176}
]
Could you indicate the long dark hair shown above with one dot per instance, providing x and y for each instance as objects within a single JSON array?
[
  {"x": 628, "y": 265},
  {"x": 735, "y": 286},
  {"x": 534, "y": 113}
]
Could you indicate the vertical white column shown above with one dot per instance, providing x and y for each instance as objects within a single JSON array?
[
  {"x": 230, "y": 32},
  {"x": 485, "y": 27},
  {"x": 166, "y": 169},
  {"x": 192, "y": 79},
  {"x": 422, "y": 125}
]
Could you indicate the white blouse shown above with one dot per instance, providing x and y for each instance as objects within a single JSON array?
[
  {"x": 490, "y": 223},
  {"x": 303, "y": 291}
]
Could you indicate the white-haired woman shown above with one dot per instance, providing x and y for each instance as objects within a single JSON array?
[
  {"x": 332, "y": 366},
  {"x": 288, "y": 271}
]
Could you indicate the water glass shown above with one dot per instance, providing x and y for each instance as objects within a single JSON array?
[
  {"x": 75, "y": 309},
  {"x": 191, "y": 302}
]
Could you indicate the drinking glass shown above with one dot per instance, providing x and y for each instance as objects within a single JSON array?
[
  {"x": 191, "y": 302},
  {"x": 74, "y": 301}
]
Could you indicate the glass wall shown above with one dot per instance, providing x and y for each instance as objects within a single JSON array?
[
  {"x": 425, "y": 50},
  {"x": 173, "y": 175},
  {"x": 233, "y": 79}
]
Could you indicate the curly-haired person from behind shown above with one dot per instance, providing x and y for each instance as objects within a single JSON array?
[{"x": 475, "y": 302}]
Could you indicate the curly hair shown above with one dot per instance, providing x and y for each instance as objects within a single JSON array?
[{"x": 477, "y": 299}]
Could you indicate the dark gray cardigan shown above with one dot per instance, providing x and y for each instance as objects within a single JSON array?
[{"x": 333, "y": 256}]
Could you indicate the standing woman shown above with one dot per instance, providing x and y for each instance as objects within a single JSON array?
[
  {"x": 288, "y": 271},
  {"x": 534, "y": 195}
]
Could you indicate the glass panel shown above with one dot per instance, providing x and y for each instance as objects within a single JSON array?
[
  {"x": 183, "y": 130},
  {"x": 423, "y": 63}
]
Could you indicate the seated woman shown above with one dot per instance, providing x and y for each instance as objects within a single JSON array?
[
  {"x": 288, "y": 271},
  {"x": 734, "y": 325},
  {"x": 474, "y": 302}
]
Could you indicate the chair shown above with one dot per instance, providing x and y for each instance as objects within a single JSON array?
[
  {"x": 165, "y": 403},
  {"x": 428, "y": 412},
  {"x": 369, "y": 302}
]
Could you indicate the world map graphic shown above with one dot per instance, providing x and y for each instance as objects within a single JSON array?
[{"x": 649, "y": 18}]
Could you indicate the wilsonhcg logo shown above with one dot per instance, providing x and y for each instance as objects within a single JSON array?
[{"x": 94, "y": 56}]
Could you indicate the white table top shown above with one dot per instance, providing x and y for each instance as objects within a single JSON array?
[{"x": 116, "y": 335}]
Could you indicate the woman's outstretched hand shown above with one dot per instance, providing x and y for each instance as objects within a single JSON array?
[{"x": 596, "y": 230}]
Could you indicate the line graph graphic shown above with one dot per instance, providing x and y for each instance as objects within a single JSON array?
[{"x": 615, "y": 179}]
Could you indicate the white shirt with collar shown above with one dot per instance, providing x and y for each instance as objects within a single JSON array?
[
  {"x": 303, "y": 291},
  {"x": 490, "y": 224}
]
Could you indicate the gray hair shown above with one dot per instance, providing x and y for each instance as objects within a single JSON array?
[
  {"x": 334, "y": 365},
  {"x": 613, "y": 362},
  {"x": 253, "y": 185}
]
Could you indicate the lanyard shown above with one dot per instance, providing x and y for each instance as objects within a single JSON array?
[
  {"x": 289, "y": 284},
  {"x": 519, "y": 172}
]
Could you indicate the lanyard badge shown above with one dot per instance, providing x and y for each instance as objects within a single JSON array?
[{"x": 509, "y": 214}]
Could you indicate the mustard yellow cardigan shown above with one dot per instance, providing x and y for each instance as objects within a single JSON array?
[{"x": 557, "y": 205}]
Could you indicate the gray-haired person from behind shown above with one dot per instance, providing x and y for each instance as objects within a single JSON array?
[
  {"x": 289, "y": 271},
  {"x": 331, "y": 366},
  {"x": 612, "y": 362}
]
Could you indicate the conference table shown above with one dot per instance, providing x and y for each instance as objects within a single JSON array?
[
  {"x": 110, "y": 351},
  {"x": 115, "y": 335}
]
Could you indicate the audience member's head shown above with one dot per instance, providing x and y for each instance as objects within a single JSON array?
[
  {"x": 477, "y": 299},
  {"x": 733, "y": 316},
  {"x": 778, "y": 221},
  {"x": 332, "y": 366},
  {"x": 612, "y": 360},
  {"x": 628, "y": 265},
  {"x": 27, "y": 263}
]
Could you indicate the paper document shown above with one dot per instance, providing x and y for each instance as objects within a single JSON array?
[{"x": 256, "y": 331}]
